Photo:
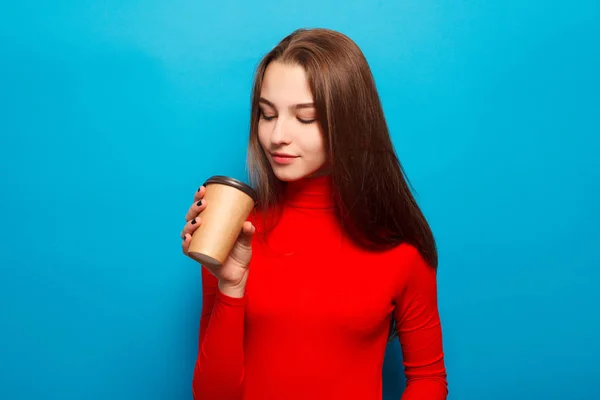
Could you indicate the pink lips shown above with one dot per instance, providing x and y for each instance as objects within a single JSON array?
[{"x": 282, "y": 158}]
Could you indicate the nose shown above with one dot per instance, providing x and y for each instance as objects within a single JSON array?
[{"x": 280, "y": 135}]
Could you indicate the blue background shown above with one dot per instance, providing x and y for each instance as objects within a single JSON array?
[{"x": 112, "y": 113}]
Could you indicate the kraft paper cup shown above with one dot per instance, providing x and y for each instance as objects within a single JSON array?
[{"x": 228, "y": 205}]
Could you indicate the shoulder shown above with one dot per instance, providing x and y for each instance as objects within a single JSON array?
[
  {"x": 406, "y": 256},
  {"x": 402, "y": 257},
  {"x": 410, "y": 266}
]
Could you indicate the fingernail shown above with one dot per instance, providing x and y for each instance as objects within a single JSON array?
[
  {"x": 194, "y": 221},
  {"x": 199, "y": 203}
]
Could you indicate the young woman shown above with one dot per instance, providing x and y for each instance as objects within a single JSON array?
[{"x": 336, "y": 251}]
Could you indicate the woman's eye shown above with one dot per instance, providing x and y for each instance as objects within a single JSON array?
[
  {"x": 306, "y": 121},
  {"x": 267, "y": 117}
]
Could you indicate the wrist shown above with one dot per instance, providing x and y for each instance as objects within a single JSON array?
[{"x": 232, "y": 290}]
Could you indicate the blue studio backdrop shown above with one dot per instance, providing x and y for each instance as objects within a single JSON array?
[{"x": 112, "y": 113}]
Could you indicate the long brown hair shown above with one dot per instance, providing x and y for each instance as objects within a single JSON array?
[{"x": 374, "y": 200}]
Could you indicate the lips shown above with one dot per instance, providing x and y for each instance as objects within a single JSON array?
[
  {"x": 282, "y": 155},
  {"x": 283, "y": 158}
]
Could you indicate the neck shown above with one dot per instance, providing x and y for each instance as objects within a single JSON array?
[{"x": 314, "y": 192}]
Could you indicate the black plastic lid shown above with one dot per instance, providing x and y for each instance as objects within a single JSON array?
[{"x": 225, "y": 180}]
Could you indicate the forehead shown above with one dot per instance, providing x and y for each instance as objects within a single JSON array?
[{"x": 285, "y": 84}]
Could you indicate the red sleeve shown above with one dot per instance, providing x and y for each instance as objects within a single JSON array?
[
  {"x": 219, "y": 369},
  {"x": 420, "y": 334}
]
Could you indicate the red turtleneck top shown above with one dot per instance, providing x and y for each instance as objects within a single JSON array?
[{"x": 314, "y": 321}]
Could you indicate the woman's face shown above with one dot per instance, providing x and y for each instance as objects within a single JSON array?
[{"x": 287, "y": 130}]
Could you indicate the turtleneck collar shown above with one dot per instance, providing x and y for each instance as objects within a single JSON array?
[{"x": 314, "y": 193}]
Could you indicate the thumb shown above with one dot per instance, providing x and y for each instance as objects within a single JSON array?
[{"x": 247, "y": 233}]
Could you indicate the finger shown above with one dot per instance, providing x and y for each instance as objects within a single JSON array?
[
  {"x": 191, "y": 226},
  {"x": 248, "y": 230},
  {"x": 195, "y": 209},
  {"x": 185, "y": 244},
  {"x": 200, "y": 193}
]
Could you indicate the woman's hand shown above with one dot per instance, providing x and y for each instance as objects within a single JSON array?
[{"x": 232, "y": 276}]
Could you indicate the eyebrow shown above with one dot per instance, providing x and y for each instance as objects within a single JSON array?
[{"x": 292, "y": 107}]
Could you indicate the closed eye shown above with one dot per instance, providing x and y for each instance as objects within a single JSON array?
[
  {"x": 271, "y": 117},
  {"x": 267, "y": 117}
]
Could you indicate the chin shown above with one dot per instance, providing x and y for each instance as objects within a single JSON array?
[
  {"x": 286, "y": 176},
  {"x": 290, "y": 175}
]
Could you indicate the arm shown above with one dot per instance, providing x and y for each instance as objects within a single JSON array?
[
  {"x": 219, "y": 369},
  {"x": 420, "y": 334}
]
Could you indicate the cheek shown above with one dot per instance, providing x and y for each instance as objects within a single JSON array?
[
  {"x": 314, "y": 143},
  {"x": 263, "y": 136}
]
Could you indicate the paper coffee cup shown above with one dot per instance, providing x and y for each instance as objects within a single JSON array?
[{"x": 228, "y": 205}]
